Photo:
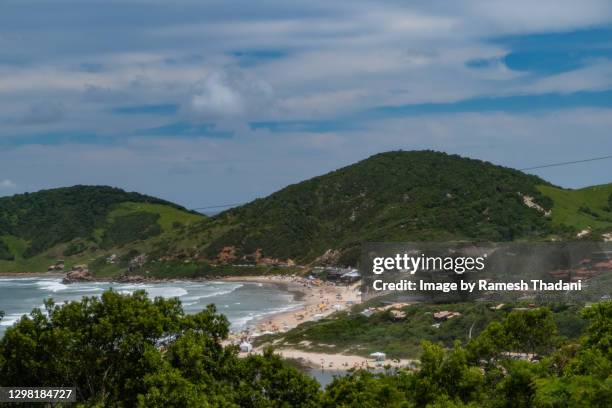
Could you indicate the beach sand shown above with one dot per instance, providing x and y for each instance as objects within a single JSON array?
[
  {"x": 337, "y": 361},
  {"x": 318, "y": 299}
]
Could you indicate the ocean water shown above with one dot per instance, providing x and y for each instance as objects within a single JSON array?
[{"x": 242, "y": 303}]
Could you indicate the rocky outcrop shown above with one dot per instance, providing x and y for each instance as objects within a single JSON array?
[
  {"x": 79, "y": 273},
  {"x": 529, "y": 202},
  {"x": 330, "y": 257},
  {"x": 227, "y": 255},
  {"x": 131, "y": 279},
  {"x": 57, "y": 267},
  {"x": 584, "y": 233}
]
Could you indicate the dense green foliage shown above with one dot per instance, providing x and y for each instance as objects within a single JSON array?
[
  {"x": 128, "y": 350},
  {"x": 5, "y": 252},
  {"x": 395, "y": 196},
  {"x": 484, "y": 375},
  {"x": 401, "y": 338},
  {"x": 131, "y": 227},
  {"x": 75, "y": 248},
  {"x": 50, "y": 217}
]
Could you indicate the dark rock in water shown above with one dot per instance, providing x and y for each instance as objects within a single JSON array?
[{"x": 131, "y": 279}]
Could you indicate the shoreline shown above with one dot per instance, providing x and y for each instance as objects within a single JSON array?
[
  {"x": 314, "y": 296},
  {"x": 318, "y": 299},
  {"x": 32, "y": 274},
  {"x": 112, "y": 279},
  {"x": 315, "y": 300}
]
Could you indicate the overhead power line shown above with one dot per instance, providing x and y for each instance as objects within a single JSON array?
[
  {"x": 566, "y": 163},
  {"x": 210, "y": 207},
  {"x": 542, "y": 166}
]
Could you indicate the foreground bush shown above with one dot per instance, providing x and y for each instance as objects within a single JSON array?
[{"x": 129, "y": 350}]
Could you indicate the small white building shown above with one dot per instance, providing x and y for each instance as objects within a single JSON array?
[
  {"x": 367, "y": 312},
  {"x": 246, "y": 347}
]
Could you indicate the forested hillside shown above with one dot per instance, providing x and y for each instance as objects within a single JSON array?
[
  {"x": 38, "y": 228},
  {"x": 50, "y": 217},
  {"x": 394, "y": 196}
]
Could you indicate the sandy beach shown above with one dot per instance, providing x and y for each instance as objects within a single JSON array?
[
  {"x": 337, "y": 361},
  {"x": 318, "y": 299}
]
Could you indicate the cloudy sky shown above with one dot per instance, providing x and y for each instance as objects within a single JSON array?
[{"x": 215, "y": 102}]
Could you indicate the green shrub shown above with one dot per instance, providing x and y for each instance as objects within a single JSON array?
[
  {"x": 5, "y": 252},
  {"x": 131, "y": 227},
  {"x": 75, "y": 248}
]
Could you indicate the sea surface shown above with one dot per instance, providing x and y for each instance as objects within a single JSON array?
[{"x": 242, "y": 303}]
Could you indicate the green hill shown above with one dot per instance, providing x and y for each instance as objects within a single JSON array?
[
  {"x": 80, "y": 222},
  {"x": 394, "y": 196}
]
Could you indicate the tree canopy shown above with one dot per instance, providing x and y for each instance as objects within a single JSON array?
[
  {"x": 49, "y": 217},
  {"x": 567, "y": 374},
  {"x": 128, "y": 350}
]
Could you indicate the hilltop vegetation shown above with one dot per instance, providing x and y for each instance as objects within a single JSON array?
[
  {"x": 50, "y": 217},
  {"x": 394, "y": 196},
  {"x": 79, "y": 223}
]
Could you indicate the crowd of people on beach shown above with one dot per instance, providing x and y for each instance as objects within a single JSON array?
[{"x": 319, "y": 299}]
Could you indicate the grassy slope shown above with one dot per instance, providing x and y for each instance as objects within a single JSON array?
[
  {"x": 171, "y": 220},
  {"x": 567, "y": 204},
  {"x": 168, "y": 215},
  {"x": 355, "y": 334},
  {"x": 17, "y": 246}
]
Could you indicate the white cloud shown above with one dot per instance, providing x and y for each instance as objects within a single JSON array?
[
  {"x": 528, "y": 16},
  {"x": 337, "y": 59},
  {"x": 594, "y": 77},
  {"x": 247, "y": 166},
  {"x": 221, "y": 96},
  {"x": 339, "y": 56},
  {"x": 215, "y": 98}
]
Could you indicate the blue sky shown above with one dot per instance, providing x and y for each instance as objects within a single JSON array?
[{"x": 212, "y": 102}]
